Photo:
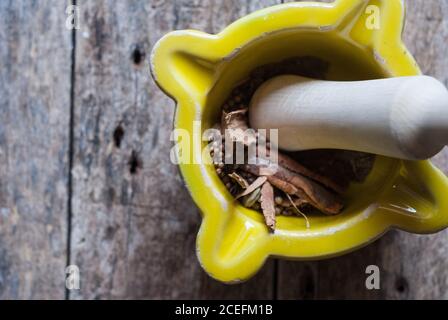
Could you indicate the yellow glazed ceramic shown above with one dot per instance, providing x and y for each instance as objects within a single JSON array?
[{"x": 198, "y": 70}]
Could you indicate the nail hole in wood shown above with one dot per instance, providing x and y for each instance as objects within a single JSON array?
[
  {"x": 309, "y": 288},
  {"x": 135, "y": 163},
  {"x": 401, "y": 285},
  {"x": 110, "y": 232},
  {"x": 138, "y": 55},
  {"x": 118, "y": 135}
]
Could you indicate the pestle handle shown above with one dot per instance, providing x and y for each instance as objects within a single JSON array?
[{"x": 404, "y": 117}]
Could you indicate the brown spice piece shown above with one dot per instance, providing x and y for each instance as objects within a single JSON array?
[
  {"x": 296, "y": 184},
  {"x": 283, "y": 185},
  {"x": 256, "y": 184},
  {"x": 291, "y": 164},
  {"x": 267, "y": 205},
  {"x": 234, "y": 125}
]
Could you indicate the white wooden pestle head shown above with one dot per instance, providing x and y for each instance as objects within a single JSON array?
[{"x": 404, "y": 117}]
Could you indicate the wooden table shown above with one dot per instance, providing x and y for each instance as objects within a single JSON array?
[{"x": 82, "y": 101}]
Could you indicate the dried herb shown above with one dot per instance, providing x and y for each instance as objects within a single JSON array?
[
  {"x": 256, "y": 184},
  {"x": 298, "y": 211},
  {"x": 267, "y": 205},
  {"x": 236, "y": 121}
]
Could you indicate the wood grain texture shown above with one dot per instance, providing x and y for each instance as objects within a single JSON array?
[
  {"x": 134, "y": 224},
  {"x": 412, "y": 266},
  {"x": 34, "y": 138}
]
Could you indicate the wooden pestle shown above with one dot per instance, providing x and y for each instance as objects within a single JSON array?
[{"x": 403, "y": 117}]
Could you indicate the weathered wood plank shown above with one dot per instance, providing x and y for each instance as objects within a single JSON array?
[
  {"x": 134, "y": 224},
  {"x": 34, "y": 143},
  {"x": 412, "y": 266}
]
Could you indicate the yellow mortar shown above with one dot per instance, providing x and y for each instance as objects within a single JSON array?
[{"x": 198, "y": 70}]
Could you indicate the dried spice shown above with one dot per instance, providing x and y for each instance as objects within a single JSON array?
[
  {"x": 293, "y": 203},
  {"x": 236, "y": 121},
  {"x": 255, "y": 185},
  {"x": 239, "y": 179},
  {"x": 302, "y": 182},
  {"x": 267, "y": 205},
  {"x": 251, "y": 198}
]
